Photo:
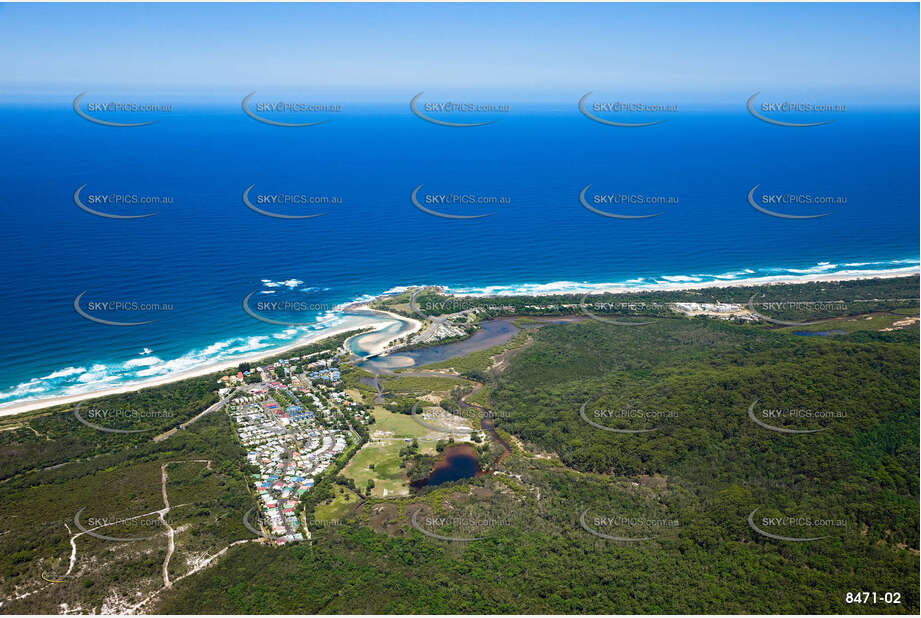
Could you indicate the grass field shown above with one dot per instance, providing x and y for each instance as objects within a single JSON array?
[
  {"x": 388, "y": 435},
  {"x": 336, "y": 510},
  {"x": 389, "y": 478},
  {"x": 398, "y": 425},
  {"x": 384, "y": 454}
]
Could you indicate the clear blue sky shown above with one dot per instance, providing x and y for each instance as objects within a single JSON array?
[{"x": 711, "y": 51}]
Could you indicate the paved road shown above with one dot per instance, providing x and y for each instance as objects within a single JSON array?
[
  {"x": 424, "y": 337},
  {"x": 208, "y": 410}
]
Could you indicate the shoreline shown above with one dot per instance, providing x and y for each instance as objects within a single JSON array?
[
  {"x": 386, "y": 318},
  {"x": 380, "y": 346},
  {"x": 30, "y": 405},
  {"x": 679, "y": 286}
]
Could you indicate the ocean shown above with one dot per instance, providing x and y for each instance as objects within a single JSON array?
[{"x": 205, "y": 250}]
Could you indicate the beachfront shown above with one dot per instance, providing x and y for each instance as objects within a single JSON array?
[{"x": 388, "y": 327}]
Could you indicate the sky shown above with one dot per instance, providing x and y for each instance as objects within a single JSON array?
[{"x": 703, "y": 51}]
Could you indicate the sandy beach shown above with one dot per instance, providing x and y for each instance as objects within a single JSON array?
[
  {"x": 677, "y": 286},
  {"x": 382, "y": 322},
  {"x": 572, "y": 287},
  {"x": 376, "y": 342}
]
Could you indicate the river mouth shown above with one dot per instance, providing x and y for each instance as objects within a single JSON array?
[
  {"x": 455, "y": 463},
  {"x": 370, "y": 343},
  {"x": 490, "y": 334}
]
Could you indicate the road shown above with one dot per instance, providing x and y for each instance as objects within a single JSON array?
[
  {"x": 426, "y": 336},
  {"x": 208, "y": 410}
]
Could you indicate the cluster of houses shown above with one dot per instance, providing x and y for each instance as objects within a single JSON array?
[
  {"x": 438, "y": 330},
  {"x": 723, "y": 311},
  {"x": 717, "y": 307},
  {"x": 292, "y": 424},
  {"x": 329, "y": 375}
]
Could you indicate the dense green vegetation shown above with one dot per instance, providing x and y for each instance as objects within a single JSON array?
[
  {"x": 52, "y": 465},
  {"x": 37, "y": 509},
  {"x": 804, "y": 301},
  {"x": 706, "y": 467},
  {"x": 419, "y": 385},
  {"x": 688, "y": 486},
  {"x": 542, "y": 561},
  {"x": 418, "y": 465}
]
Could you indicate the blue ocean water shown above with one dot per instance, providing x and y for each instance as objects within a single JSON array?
[{"x": 206, "y": 251}]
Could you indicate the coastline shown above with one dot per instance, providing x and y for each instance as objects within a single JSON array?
[
  {"x": 572, "y": 287},
  {"x": 385, "y": 319},
  {"x": 383, "y": 340},
  {"x": 47, "y": 402}
]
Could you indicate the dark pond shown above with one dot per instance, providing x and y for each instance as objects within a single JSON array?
[
  {"x": 456, "y": 462},
  {"x": 818, "y": 333}
]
